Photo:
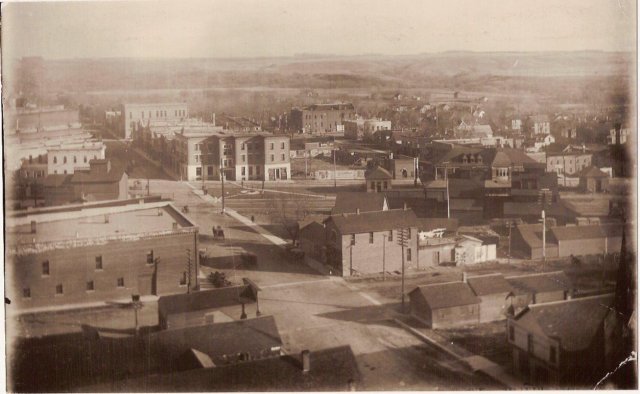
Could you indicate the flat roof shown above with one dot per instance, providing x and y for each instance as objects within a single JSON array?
[{"x": 82, "y": 227}]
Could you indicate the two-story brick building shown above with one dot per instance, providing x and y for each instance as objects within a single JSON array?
[
  {"x": 102, "y": 252},
  {"x": 135, "y": 116},
  {"x": 321, "y": 118}
]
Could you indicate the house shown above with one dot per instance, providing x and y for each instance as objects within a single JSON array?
[
  {"x": 204, "y": 306},
  {"x": 541, "y": 287},
  {"x": 593, "y": 180},
  {"x": 99, "y": 252},
  {"x": 377, "y": 180},
  {"x": 539, "y": 142},
  {"x": 472, "y": 250},
  {"x": 100, "y": 182},
  {"x": 494, "y": 293},
  {"x": 618, "y": 135},
  {"x": 321, "y": 118},
  {"x": 332, "y": 369},
  {"x": 358, "y": 202},
  {"x": 538, "y": 124},
  {"x": 563, "y": 343},
  {"x": 367, "y": 242},
  {"x": 445, "y": 305}
]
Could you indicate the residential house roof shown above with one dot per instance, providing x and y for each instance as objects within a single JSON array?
[
  {"x": 377, "y": 173},
  {"x": 541, "y": 282},
  {"x": 206, "y": 299},
  {"x": 592, "y": 172},
  {"x": 532, "y": 234},
  {"x": 446, "y": 295},
  {"x": 330, "y": 370},
  {"x": 575, "y": 322},
  {"x": 374, "y": 221},
  {"x": 569, "y": 233},
  {"x": 489, "y": 284},
  {"x": 313, "y": 231},
  {"x": 350, "y": 202}
]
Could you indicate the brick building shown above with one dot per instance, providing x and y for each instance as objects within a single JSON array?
[
  {"x": 322, "y": 118},
  {"x": 101, "y": 252},
  {"x": 136, "y": 116},
  {"x": 363, "y": 243},
  {"x": 67, "y": 158}
]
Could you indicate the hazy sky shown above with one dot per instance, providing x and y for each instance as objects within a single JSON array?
[{"x": 248, "y": 28}]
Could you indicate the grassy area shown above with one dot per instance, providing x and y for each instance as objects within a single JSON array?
[{"x": 487, "y": 339}]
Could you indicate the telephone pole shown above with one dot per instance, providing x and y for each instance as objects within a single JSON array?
[
  {"x": 403, "y": 236},
  {"x": 188, "y": 271},
  {"x": 222, "y": 178}
]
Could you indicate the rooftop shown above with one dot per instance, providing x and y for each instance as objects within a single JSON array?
[
  {"x": 206, "y": 299},
  {"x": 447, "y": 295},
  {"x": 592, "y": 172},
  {"x": 377, "y": 173},
  {"x": 330, "y": 107},
  {"x": 573, "y": 322},
  {"x": 569, "y": 233},
  {"x": 374, "y": 221},
  {"x": 349, "y": 202},
  {"x": 540, "y": 283},
  {"x": 489, "y": 284},
  {"x": 75, "y": 227}
]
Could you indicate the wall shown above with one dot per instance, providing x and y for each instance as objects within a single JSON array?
[
  {"x": 493, "y": 307},
  {"x": 419, "y": 308},
  {"x": 74, "y": 267},
  {"x": 456, "y": 316},
  {"x": 579, "y": 247},
  {"x": 82, "y": 156},
  {"x": 133, "y": 113}
]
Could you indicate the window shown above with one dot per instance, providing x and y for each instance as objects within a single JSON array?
[
  {"x": 183, "y": 279},
  {"x": 353, "y": 239},
  {"x": 75, "y": 159},
  {"x": 242, "y": 146},
  {"x": 512, "y": 333},
  {"x": 120, "y": 282},
  {"x": 198, "y": 171},
  {"x": 271, "y": 146},
  {"x": 283, "y": 157},
  {"x": 150, "y": 257},
  {"x": 90, "y": 286},
  {"x": 26, "y": 292},
  {"x": 409, "y": 233},
  {"x": 272, "y": 157},
  {"x": 65, "y": 171},
  {"x": 370, "y": 238},
  {"x": 197, "y": 147},
  {"x": 282, "y": 145},
  {"x": 99, "y": 263},
  {"x": 244, "y": 159},
  {"x": 45, "y": 268},
  {"x": 85, "y": 159},
  {"x": 408, "y": 254},
  {"x": 390, "y": 235},
  {"x": 64, "y": 159},
  {"x": 552, "y": 354},
  {"x": 530, "y": 343},
  {"x": 243, "y": 171},
  {"x": 59, "y": 290}
]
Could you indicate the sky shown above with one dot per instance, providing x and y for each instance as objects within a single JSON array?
[{"x": 265, "y": 28}]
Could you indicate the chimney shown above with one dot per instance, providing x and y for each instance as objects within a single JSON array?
[
  {"x": 306, "y": 361},
  {"x": 464, "y": 277},
  {"x": 33, "y": 227},
  {"x": 405, "y": 206},
  {"x": 357, "y": 211}
]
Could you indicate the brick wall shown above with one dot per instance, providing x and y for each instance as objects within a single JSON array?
[{"x": 74, "y": 267}]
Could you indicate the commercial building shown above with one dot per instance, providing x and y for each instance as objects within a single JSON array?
[
  {"x": 359, "y": 129},
  {"x": 137, "y": 115},
  {"x": 99, "y": 252},
  {"x": 568, "y": 163},
  {"x": 322, "y": 118},
  {"x": 563, "y": 343},
  {"x": 67, "y": 158}
]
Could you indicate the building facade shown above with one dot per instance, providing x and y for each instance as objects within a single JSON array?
[
  {"x": 100, "y": 253},
  {"x": 568, "y": 163},
  {"x": 67, "y": 158},
  {"x": 322, "y": 118},
  {"x": 136, "y": 116}
]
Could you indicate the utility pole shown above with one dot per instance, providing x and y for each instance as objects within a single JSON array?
[
  {"x": 510, "y": 226},
  {"x": 222, "y": 178},
  {"x": 402, "y": 241},
  {"x": 446, "y": 179},
  {"x": 544, "y": 239},
  {"x": 384, "y": 255},
  {"x": 188, "y": 271},
  {"x": 335, "y": 181},
  {"x": 305, "y": 165}
]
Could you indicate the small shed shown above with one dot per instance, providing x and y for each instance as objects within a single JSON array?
[
  {"x": 445, "y": 305},
  {"x": 201, "y": 307},
  {"x": 593, "y": 180},
  {"x": 495, "y": 296},
  {"x": 378, "y": 179}
]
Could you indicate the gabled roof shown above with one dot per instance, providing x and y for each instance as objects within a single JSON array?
[
  {"x": 446, "y": 295},
  {"x": 331, "y": 370},
  {"x": 501, "y": 159},
  {"x": 569, "y": 233},
  {"x": 575, "y": 323},
  {"x": 313, "y": 231},
  {"x": 377, "y": 173},
  {"x": 592, "y": 172},
  {"x": 349, "y": 202},
  {"x": 374, "y": 221},
  {"x": 540, "y": 283},
  {"x": 206, "y": 299},
  {"x": 489, "y": 284}
]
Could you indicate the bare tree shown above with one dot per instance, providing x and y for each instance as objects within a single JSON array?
[{"x": 287, "y": 210}]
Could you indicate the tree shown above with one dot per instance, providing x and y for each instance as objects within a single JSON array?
[{"x": 287, "y": 210}]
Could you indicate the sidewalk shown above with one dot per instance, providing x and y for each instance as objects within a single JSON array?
[{"x": 474, "y": 362}]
